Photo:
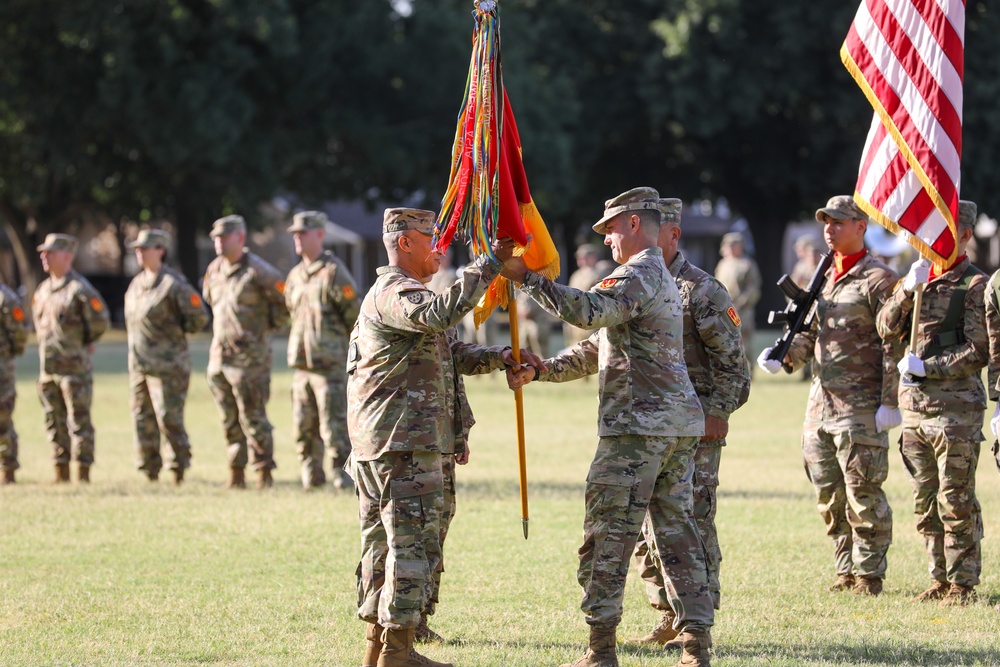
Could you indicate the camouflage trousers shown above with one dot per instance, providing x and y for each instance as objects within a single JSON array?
[
  {"x": 448, "y": 506},
  {"x": 319, "y": 406},
  {"x": 706, "y": 483},
  {"x": 66, "y": 403},
  {"x": 629, "y": 475},
  {"x": 8, "y": 436},
  {"x": 399, "y": 498},
  {"x": 157, "y": 404},
  {"x": 242, "y": 395},
  {"x": 940, "y": 454},
  {"x": 847, "y": 461}
]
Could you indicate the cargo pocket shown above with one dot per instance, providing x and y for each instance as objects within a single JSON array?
[
  {"x": 407, "y": 569},
  {"x": 609, "y": 490}
]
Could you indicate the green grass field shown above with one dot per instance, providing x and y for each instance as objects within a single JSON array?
[{"x": 125, "y": 572}]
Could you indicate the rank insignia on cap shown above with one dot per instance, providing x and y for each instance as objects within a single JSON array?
[
  {"x": 195, "y": 300},
  {"x": 348, "y": 292},
  {"x": 17, "y": 314},
  {"x": 280, "y": 286},
  {"x": 733, "y": 315},
  {"x": 608, "y": 282},
  {"x": 96, "y": 304}
]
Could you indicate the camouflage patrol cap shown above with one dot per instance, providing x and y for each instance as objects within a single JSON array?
[
  {"x": 636, "y": 199},
  {"x": 58, "y": 242},
  {"x": 670, "y": 210},
  {"x": 150, "y": 238},
  {"x": 228, "y": 225},
  {"x": 401, "y": 219},
  {"x": 730, "y": 238},
  {"x": 967, "y": 213},
  {"x": 841, "y": 207},
  {"x": 585, "y": 249},
  {"x": 306, "y": 220}
]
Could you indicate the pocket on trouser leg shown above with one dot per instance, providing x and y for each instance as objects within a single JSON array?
[{"x": 408, "y": 583}]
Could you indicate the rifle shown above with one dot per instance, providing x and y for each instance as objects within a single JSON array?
[{"x": 801, "y": 309}]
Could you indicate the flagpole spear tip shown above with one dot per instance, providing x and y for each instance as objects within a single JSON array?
[{"x": 524, "y": 525}]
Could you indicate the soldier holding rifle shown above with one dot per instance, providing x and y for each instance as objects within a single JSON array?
[{"x": 852, "y": 402}]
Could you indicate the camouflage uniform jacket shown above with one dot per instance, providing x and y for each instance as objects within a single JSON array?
[
  {"x": 247, "y": 304},
  {"x": 713, "y": 347},
  {"x": 854, "y": 370},
  {"x": 742, "y": 279},
  {"x": 953, "y": 382},
  {"x": 993, "y": 331},
  {"x": 644, "y": 387},
  {"x": 323, "y": 302},
  {"x": 159, "y": 310},
  {"x": 12, "y": 323},
  {"x": 69, "y": 315},
  {"x": 402, "y": 363}
]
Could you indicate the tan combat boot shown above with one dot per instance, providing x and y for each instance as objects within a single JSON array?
[
  {"x": 62, "y": 474},
  {"x": 237, "y": 479},
  {"x": 153, "y": 475},
  {"x": 937, "y": 591},
  {"x": 870, "y": 586},
  {"x": 83, "y": 474},
  {"x": 601, "y": 652},
  {"x": 424, "y": 635},
  {"x": 695, "y": 645},
  {"x": 844, "y": 582},
  {"x": 397, "y": 651},
  {"x": 373, "y": 644},
  {"x": 662, "y": 633},
  {"x": 959, "y": 596},
  {"x": 265, "y": 481},
  {"x": 8, "y": 476},
  {"x": 178, "y": 476}
]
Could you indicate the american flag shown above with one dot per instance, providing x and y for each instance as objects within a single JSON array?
[{"x": 908, "y": 56}]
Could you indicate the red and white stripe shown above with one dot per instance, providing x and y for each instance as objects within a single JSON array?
[{"x": 908, "y": 57}]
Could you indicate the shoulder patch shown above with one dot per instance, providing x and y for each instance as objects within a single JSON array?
[
  {"x": 96, "y": 304},
  {"x": 414, "y": 297},
  {"x": 733, "y": 315},
  {"x": 608, "y": 282},
  {"x": 280, "y": 286},
  {"x": 348, "y": 292},
  {"x": 195, "y": 300},
  {"x": 17, "y": 313}
]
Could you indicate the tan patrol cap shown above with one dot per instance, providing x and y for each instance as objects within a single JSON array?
[
  {"x": 58, "y": 242},
  {"x": 670, "y": 210},
  {"x": 228, "y": 225},
  {"x": 967, "y": 213},
  {"x": 401, "y": 219},
  {"x": 730, "y": 238},
  {"x": 841, "y": 207},
  {"x": 150, "y": 238},
  {"x": 636, "y": 199},
  {"x": 305, "y": 220}
]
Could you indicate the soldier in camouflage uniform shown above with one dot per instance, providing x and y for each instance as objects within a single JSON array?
[
  {"x": 717, "y": 367},
  {"x": 649, "y": 426},
  {"x": 69, "y": 316},
  {"x": 401, "y": 395},
  {"x": 741, "y": 277},
  {"x": 161, "y": 307},
  {"x": 246, "y": 297},
  {"x": 323, "y": 301},
  {"x": 992, "y": 298},
  {"x": 943, "y": 412},
  {"x": 14, "y": 328},
  {"x": 853, "y": 401}
]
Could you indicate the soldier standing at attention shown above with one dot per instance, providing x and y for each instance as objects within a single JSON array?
[
  {"x": 14, "y": 328},
  {"x": 70, "y": 316},
  {"x": 943, "y": 412},
  {"x": 245, "y": 294},
  {"x": 585, "y": 277},
  {"x": 741, "y": 277},
  {"x": 160, "y": 308},
  {"x": 322, "y": 299},
  {"x": 401, "y": 395},
  {"x": 650, "y": 422},
  {"x": 717, "y": 367},
  {"x": 853, "y": 401}
]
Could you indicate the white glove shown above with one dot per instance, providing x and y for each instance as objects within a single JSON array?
[
  {"x": 772, "y": 366},
  {"x": 919, "y": 274},
  {"x": 886, "y": 418},
  {"x": 911, "y": 364},
  {"x": 995, "y": 421}
]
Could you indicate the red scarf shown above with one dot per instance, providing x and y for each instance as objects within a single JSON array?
[
  {"x": 844, "y": 263},
  {"x": 937, "y": 273}
]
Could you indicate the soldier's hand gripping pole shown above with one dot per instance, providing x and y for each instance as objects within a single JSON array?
[
  {"x": 909, "y": 380},
  {"x": 801, "y": 309},
  {"x": 515, "y": 349}
]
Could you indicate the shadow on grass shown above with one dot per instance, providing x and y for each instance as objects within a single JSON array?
[
  {"x": 511, "y": 489},
  {"x": 878, "y": 653},
  {"x": 766, "y": 495}
]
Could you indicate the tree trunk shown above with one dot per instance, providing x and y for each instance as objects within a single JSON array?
[{"x": 185, "y": 224}]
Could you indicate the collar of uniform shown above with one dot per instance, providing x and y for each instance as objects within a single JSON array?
[
  {"x": 955, "y": 273},
  {"x": 844, "y": 264},
  {"x": 382, "y": 270},
  {"x": 148, "y": 282},
  {"x": 61, "y": 282},
  {"x": 653, "y": 250},
  {"x": 314, "y": 266},
  {"x": 232, "y": 267},
  {"x": 677, "y": 266}
]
